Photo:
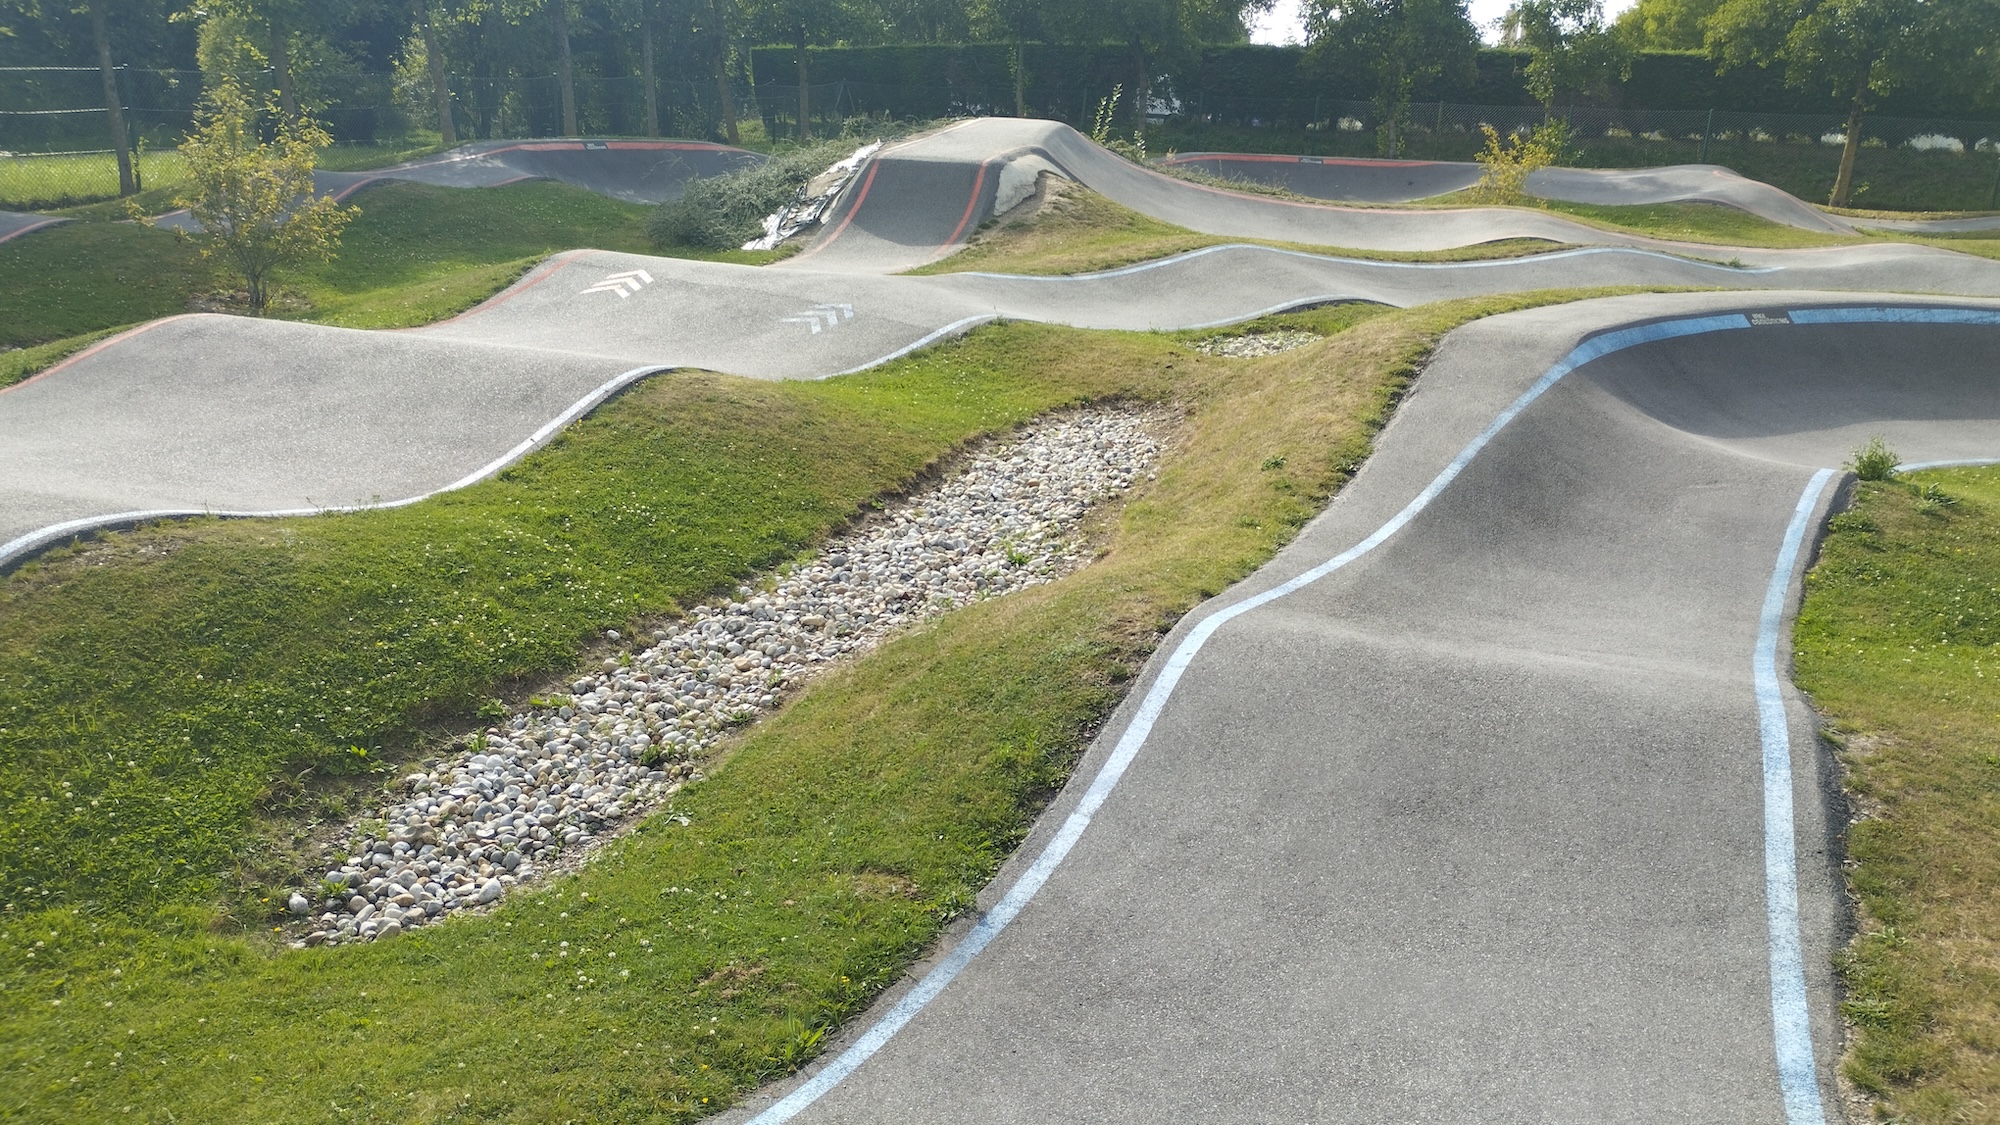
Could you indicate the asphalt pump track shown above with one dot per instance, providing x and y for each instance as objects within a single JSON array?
[{"x": 1488, "y": 799}]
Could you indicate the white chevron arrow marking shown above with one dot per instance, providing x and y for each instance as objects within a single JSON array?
[
  {"x": 624, "y": 284},
  {"x": 821, "y": 317}
]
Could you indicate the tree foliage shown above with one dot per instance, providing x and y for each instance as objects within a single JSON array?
[
  {"x": 1666, "y": 25},
  {"x": 1569, "y": 47},
  {"x": 254, "y": 199},
  {"x": 1853, "y": 49},
  {"x": 1402, "y": 45},
  {"x": 1158, "y": 34}
]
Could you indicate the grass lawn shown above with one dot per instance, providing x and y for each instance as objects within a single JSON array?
[
  {"x": 1900, "y": 624},
  {"x": 164, "y": 693},
  {"x": 416, "y": 254}
]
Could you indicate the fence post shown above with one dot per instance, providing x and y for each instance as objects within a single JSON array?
[{"x": 1707, "y": 132}]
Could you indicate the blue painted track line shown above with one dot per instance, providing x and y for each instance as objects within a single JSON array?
[
  {"x": 1797, "y": 1073},
  {"x": 1798, "y": 1077}
]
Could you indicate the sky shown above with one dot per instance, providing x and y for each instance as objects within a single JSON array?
[{"x": 1284, "y": 23}]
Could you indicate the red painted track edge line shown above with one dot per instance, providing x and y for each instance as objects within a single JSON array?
[
  {"x": 978, "y": 182},
  {"x": 541, "y": 273},
  {"x": 98, "y": 347},
  {"x": 32, "y": 227},
  {"x": 1276, "y": 158}
]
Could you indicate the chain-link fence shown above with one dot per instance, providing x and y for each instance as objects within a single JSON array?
[{"x": 54, "y": 129}]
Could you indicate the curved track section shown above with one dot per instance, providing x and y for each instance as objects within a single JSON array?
[
  {"x": 227, "y": 414},
  {"x": 1344, "y": 178},
  {"x": 636, "y": 171},
  {"x": 14, "y": 224},
  {"x": 1485, "y": 801},
  {"x": 1403, "y": 181},
  {"x": 882, "y": 226}
]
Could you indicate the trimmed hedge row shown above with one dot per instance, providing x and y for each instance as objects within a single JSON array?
[{"x": 1067, "y": 80}]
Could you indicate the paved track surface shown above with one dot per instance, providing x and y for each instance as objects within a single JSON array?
[
  {"x": 1401, "y": 181},
  {"x": 641, "y": 171},
  {"x": 637, "y": 171},
  {"x": 885, "y": 224},
  {"x": 1473, "y": 828},
  {"x": 14, "y": 224},
  {"x": 327, "y": 417}
]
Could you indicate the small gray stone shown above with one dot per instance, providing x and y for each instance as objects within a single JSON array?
[
  {"x": 299, "y": 904},
  {"x": 490, "y": 891}
]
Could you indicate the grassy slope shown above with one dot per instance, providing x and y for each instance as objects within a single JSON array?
[
  {"x": 818, "y": 860},
  {"x": 415, "y": 254},
  {"x": 1899, "y": 645},
  {"x": 1080, "y": 231},
  {"x": 1710, "y": 223}
]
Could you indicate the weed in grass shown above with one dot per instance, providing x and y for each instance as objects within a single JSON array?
[
  {"x": 1935, "y": 501},
  {"x": 1874, "y": 461}
]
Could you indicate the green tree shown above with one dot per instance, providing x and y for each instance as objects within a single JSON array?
[
  {"x": 1666, "y": 25},
  {"x": 254, "y": 199},
  {"x": 1015, "y": 22},
  {"x": 434, "y": 70},
  {"x": 1854, "y": 49},
  {"x": 1158, "y": 34},
  {"x": 1569, "y": 47},
  {"x": 1402, "y": 45},
  {"x": 804, "y": 24}
]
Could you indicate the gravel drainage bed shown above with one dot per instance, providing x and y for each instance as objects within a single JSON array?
[
  {"x": 1256, "y": 343},
  {"x": 536, "y": 792}
]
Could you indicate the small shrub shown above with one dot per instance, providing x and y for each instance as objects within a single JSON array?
[
  {"x": 1508, "y": 164},
  {"x": 724, "y": 212},
  {"x": 1874, "y": 461}
]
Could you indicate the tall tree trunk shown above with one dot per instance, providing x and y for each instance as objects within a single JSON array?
[
  {"x": 440, "y": 89},
  {"x": 722, "y": 93},
  {"x": 1020, "y": 78},
  {"x": 281, "y": 71},
  {"x": 723, "y": 75},
  {"x": 114, "y": 108},
  {"x": 805, "y": 101},
  {"x": 646, "y": 75},
  {"x": 1843, "y": 184},
  {"x": 1143, "y": 88},
  {"x": 565, "y": 74}
]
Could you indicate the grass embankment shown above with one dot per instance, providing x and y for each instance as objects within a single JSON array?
[
  {"x": 162, "y": 687},
  {"x": 416, "y": 253},
  {"x": 1075, "y": 230},
  {"x": 1899, "y": 645},
  {"x": 1707, "y": 223}
]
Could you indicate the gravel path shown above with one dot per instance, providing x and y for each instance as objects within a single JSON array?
[{"x": 537, "y": 791}]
